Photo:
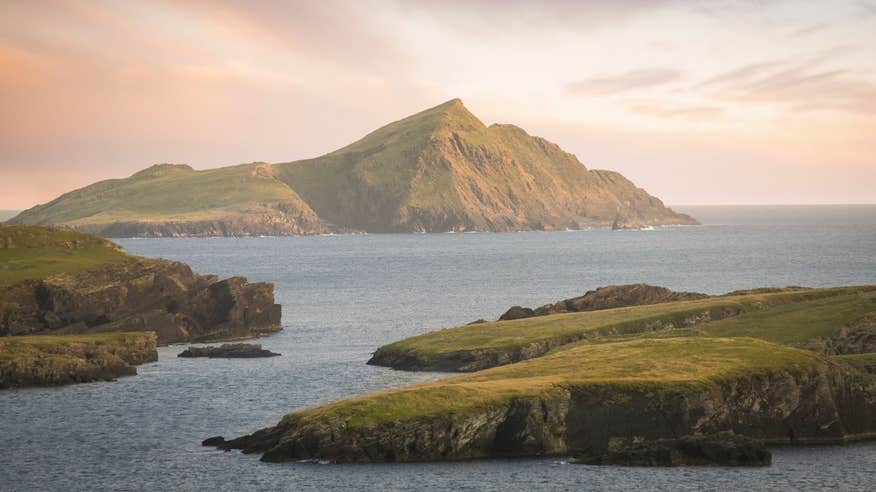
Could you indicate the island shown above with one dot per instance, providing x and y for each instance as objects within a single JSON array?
[
  {"x": 228, "y": 351},
  {"x": 439, "y": 170},
  {"x": 708, "y": 380},
  {"x": 72, "y": 305}
]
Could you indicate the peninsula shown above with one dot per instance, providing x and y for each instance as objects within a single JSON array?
[
  {"x": 438, "y": 170},
  {"x": 700, "y": 380}
]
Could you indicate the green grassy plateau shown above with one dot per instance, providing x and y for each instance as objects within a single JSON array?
[
  {"x": 612, "y": 349},
  {"x": 661, "y": 363},
  {"x": 33, "y": 252}
]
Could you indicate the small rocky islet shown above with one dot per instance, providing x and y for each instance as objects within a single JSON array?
[
  {"x": 228, "y": 351},
  {"x": 75, "y": 307},
  {"x": 658, "y": 378}
]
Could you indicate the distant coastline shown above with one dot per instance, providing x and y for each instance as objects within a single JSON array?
[{"x": 8, "y": 214}]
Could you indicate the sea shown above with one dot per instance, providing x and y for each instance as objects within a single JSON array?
[{"x": 344, "y": 296}]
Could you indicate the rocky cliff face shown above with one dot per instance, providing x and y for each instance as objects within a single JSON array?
[
  {"x": 140, "y": 295},
  {"x": 822, "y": 404}
]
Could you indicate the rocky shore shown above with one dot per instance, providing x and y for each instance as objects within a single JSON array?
[{"x": 66, "y": 359}]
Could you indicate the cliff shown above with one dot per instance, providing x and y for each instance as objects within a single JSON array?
[
  {"x": 438, "y": 170},
  {"x": 65, "y": 359},
  {"x": 65, "y": 282}
]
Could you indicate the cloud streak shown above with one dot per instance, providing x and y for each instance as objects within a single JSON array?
[
  {"x": 799, "y": 87},
  {"x": 624, "y": 82}
]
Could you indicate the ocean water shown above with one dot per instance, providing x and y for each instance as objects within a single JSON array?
[{"x": 344, "y": 296}]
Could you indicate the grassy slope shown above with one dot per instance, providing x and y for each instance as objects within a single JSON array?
[
  {"x": 677, "y": 363},
  {"x": 34, "y": 252},
  {"x": 799, "y": 322},
  {"x": 165, "y": 193},
  {"x": 786, "y": 321}
]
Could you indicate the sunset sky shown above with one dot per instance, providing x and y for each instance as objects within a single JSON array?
[{"x": 698, "y": 102}]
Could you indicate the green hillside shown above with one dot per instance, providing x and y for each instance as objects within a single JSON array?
[
  {"x": 173, "y": 199},
  {"x": 438, "y": 170},
  {"x": 32, "y": 252},
  {"x": 788, "y": 317}
]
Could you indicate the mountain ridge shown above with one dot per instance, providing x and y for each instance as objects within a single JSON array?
[{"x": 437, "y": 170}]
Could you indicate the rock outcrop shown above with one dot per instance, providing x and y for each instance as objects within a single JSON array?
[
  {"x": 825, "y": 403},
  {"x": 229, "y": 351},
  {"x": 722, "y": 449},
  {"x": 612, "y": 296},
  {"x": 57, "y": 360},
  {"x": 140, "y": 294},
  {"x": 858, "y": 337}
]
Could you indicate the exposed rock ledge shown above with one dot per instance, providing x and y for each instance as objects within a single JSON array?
[
  {"x": 229, "y": 351},
  {"x": 825, "y": 403},
  {"x": 141, "y": 295}
]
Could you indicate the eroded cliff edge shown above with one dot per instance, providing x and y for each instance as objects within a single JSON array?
[{"x": 65, "y": 282}]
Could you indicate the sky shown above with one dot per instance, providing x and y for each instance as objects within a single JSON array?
[{"x": 698, "y": 102}]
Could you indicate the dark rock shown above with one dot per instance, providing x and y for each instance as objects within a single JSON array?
[
  {"x": 517, "y": 312},
  {"x": 609, "y": 297},
  {"x": 213, "y": 441},
  {"x": 721, "y": 449},
  {"x": 229, "y": 351},
  {"x": 858, "y": 337}
]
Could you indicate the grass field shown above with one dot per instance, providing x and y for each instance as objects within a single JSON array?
[{"x": 33, "y": 252}]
